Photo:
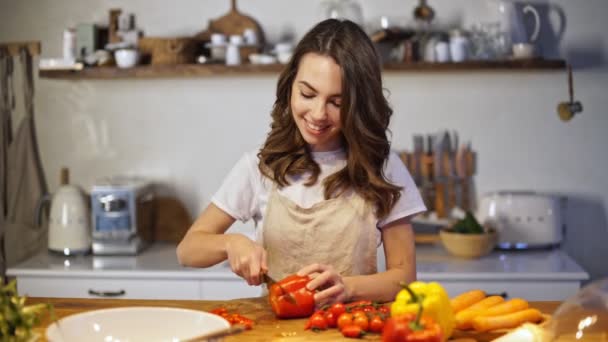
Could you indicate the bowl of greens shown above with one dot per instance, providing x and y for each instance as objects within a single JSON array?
[{"x": 468, "y": 238}]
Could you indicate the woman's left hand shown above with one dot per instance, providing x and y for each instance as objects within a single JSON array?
[{"x": 329, "y": 284}]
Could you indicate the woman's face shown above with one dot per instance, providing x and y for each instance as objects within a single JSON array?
[{"x": 316, "y": 96}]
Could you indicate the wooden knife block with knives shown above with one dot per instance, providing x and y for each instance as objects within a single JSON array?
[{"x": 445, "y": 180}]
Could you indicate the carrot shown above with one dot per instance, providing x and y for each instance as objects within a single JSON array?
[
  {"x": 510, "y": 306},
  {"x": 507, "y": 321},
  {"x": 466, "y": 299},
  {"x": 465, "y": 317}
]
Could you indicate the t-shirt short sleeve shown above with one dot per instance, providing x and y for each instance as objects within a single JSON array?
[
  {"x": 410, "y": 202},
  {"x": 237, "y": 195}
]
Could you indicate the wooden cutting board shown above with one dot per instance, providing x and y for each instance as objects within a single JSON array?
[
  {"x": 172, "y": 219},
  {"x": 266, "y": 328},
  {"x": 233, "y": 22}
]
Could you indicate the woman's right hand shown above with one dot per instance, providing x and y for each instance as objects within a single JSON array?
[{"x": 247, "y": 259}]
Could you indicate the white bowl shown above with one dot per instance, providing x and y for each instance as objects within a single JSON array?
[
  {"x": 284, "y": 57},
  {"x": 126, "y": 58},
  {"x": 135, "y": 324}
]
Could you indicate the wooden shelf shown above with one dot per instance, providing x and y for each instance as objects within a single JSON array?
[{"x": 208, "y": 70}]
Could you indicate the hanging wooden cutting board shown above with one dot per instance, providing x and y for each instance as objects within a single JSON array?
[
  {"x": 172, "y": 219},
  {"x": 233, "y": 22}
]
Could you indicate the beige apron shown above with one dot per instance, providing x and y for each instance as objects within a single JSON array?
[{"x": 340, "y": 232}]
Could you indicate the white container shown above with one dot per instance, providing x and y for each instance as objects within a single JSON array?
[
  {"x": 217, "y": 47},
  {"x": 233, "y": 51},
  {"x": 126, "y": 58},
  {"x": 442, "y": 52},
  {"x": 69, "y": 45},
  {"x": 251, "y": 37},
  {"x": 459, "y": 47}
]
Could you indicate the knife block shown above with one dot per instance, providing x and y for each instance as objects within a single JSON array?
[{"x": 447, "y": 186}]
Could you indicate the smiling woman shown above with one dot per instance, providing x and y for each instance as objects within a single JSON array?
[{"x": 324, "y": 189}]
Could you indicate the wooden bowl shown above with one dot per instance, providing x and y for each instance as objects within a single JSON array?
[{"x": 468, "y": 245}]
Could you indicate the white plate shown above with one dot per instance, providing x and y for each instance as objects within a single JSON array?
[{"x": 134, "y": 324}]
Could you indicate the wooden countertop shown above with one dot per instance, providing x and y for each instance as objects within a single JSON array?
[{"x": 267, "y": 327}]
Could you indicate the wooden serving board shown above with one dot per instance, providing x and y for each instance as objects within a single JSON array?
[
  {"x": 233, "y": 23},
  {"x": 267, "y": 327}
]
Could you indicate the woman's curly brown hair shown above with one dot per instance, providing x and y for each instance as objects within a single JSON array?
[{"x": 364, "y": 114}]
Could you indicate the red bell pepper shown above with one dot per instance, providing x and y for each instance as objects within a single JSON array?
[
  {"x": 411, "y": 327},
  {"x": 289, "y": 297}
]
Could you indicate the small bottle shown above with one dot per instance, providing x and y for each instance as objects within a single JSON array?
[
  {"x": 233, "y": 52},
  {"x": 69, "y": 45},
  {"x": 459, "y": 46}
]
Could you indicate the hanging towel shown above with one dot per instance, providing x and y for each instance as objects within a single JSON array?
[
  {"x": 23, "y": 236},
  {"x": 7, "y": 105}
]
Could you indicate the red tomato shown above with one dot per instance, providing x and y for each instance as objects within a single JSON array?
[
  {"x": 384, "y": 309},
  {"x": 317, "y": 321},
  {"x": 361, "y": 321},
  {"x": 396, "y": 330},
  {"x": 369, "y": 308},
  {"x": 337, "y": 309},
  {"x": 376, "y": 324},
  {"x": 352, "y": 331},
  {"x": 331, "y": 319},
  {"x": 345, "y": 319},
  {"x": 358, "y": 313}
]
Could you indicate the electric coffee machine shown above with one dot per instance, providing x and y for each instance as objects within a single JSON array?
[{"x": 122, "y": 210}]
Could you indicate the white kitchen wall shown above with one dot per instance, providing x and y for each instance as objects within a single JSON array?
[{"x": 187, "y": 133}]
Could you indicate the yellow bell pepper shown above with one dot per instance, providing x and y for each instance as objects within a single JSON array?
[{"x": 435, "y": 304}]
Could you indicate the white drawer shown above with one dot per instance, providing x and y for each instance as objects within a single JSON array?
[{"x": 108, "y": 288}]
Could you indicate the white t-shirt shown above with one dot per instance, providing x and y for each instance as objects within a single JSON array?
[{"x": 244, "y": 192}]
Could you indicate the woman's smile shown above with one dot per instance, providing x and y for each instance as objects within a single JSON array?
[{"x": 317, "y": 129}]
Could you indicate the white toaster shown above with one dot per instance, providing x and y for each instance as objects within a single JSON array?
[{"x": 524, "y": 219}]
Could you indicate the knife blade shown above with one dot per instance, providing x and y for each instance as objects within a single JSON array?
[{"x": 268, "y": 279}]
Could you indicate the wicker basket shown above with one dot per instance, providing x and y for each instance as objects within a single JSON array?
[{"x": 163, "y": 51}]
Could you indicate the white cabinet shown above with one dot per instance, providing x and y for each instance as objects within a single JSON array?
[
  {"x": 553, "y": 290},
  {"x": 154, "y": 274},
  {"x": 40, "y": 286},
  {"x": 108, "y": 288},
  {"x": 535, "y": 275}
]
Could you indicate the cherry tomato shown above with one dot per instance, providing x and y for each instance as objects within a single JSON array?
[
  {"x": 337, "y": 309},
  {"x": 331, "y": 319},
  {"x": 369, "y": 308},
  {"x": 318, "y": 322},
  {"x": 361, "y": 321},
  {"x": 384, "y": 309},
  {"x": 376, "y": 324},
  {"x": 345, "y": 319},
  {"x": 352, "y": 331},
  {"x": 358, "y": 313}
]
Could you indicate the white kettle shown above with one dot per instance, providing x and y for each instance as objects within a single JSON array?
[{"x": 69, "y": 219}]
